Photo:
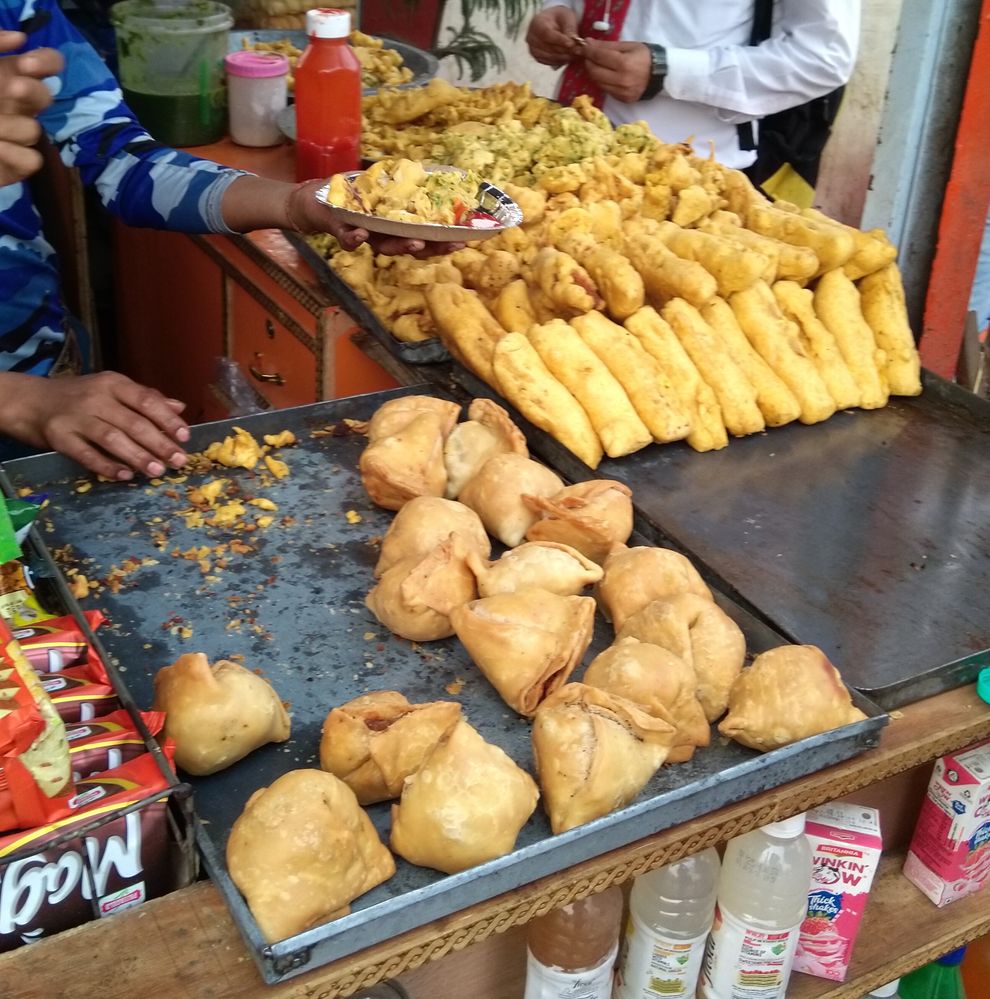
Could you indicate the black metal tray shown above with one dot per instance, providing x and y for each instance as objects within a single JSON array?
[
  {"x": 867, "y": 535},
  {"x": 421, "y": 352},
  {"x": 294, "y": 608}
]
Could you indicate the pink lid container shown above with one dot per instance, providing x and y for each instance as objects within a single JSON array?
[{"x": 256, "y": 64}]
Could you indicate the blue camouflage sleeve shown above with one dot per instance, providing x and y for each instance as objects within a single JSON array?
[{"x": 140, "y": 180}]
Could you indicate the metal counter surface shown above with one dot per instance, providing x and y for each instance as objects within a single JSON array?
[
  {"x": 867, "y": 535},
  {"x": 291, "y": 605}
]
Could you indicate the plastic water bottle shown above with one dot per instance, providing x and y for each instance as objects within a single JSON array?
[
  {"x": 762, "y": 900},
  {"x": 570, "y": 952},
  {"x": 942, "y": 979},
  {"x": 670, "y": 914},
  {"x": 328, "y": 98}
]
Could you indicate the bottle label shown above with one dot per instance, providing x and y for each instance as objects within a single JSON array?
[
  {"x": 746, "y": 963},
  {"x": 555, "y": 983},
  {"x": 657, "y": 966}
]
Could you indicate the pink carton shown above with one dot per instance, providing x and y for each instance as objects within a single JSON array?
[
  {"x": 949, "y": 856},
  {"x": 845, "y": 852}
]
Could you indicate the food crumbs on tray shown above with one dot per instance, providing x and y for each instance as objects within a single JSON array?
[
  {"x": 265, "y": 521},
  {"x": 278, "y": 468},
  {"x": 263, "y": 503},
  {"x": 353, "y": 517},
  {"x": 455, "y": 686},
  {"x": 370, "y": 636},
  {"x": 84, "y": 487},
  {"x": 283, "y": 439},
  {"x": 79, "y": 587}
]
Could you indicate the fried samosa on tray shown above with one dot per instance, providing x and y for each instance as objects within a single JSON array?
[
  {"x": 788, "y": 693},
  {"x": 406, "y": 463},
  {"x": 594, "y": 753},
  {"x": 661, "y": 683},
  {"x": 486, "y": 432},
  {"x": 701, "y": 633},
  {"x": 593, "y": 516},
  {"x": 374, "y": 742},
  {"x": 635, "y": 577},
  {"x": 526, "y": 643},
  {"x": 545, "y": 565},
  {"x": 464, "y": 806},
  {"x": 415, "y": 597},
  {"x": 496, "y": 494},
  {"x": 422, "y": 524},
  {"x": 302, "y": 850}
]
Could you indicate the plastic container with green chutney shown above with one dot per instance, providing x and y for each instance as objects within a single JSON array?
[{"x": 170, "y": 56}]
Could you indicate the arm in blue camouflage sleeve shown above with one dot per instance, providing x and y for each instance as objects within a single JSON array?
[{"x": 137, "y": 178}]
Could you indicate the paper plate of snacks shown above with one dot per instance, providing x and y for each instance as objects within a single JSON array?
[{"x": 402, "y": 197}]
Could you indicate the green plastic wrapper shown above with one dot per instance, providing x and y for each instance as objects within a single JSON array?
[{"x": 9, "y": 546}]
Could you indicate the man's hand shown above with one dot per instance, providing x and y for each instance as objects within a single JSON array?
[
  {"x": 621, "y": 69},
  {"x": 23, "y": 96},
  {"x": 551, "y": 37},
  {"x": 106, "y": 422}
]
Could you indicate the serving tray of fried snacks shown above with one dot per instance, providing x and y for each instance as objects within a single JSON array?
[
  {"x": 434, "y": 203},
  {"x": 380, "y": 623}
]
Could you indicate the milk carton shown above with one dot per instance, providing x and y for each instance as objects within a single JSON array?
[
  {"x": 949, "y": 856},
  {"x": 845, "y": 852}
]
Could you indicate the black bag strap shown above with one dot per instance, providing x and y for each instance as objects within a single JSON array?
[{"x": 762, "y": 27}]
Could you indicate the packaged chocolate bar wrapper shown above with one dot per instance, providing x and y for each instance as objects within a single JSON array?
[
  {"x": 117, "y": 721},
  {"x": 128, "y": 782},
  {"x": 120, "y": 864},
  {"x": 85, "y": 703},
  {"x": 56, "y": 645}
]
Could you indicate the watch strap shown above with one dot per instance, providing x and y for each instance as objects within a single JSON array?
[{"x": 658, "y": 71}]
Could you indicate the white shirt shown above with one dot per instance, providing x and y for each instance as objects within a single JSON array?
[{"x": 716, "y": 79}]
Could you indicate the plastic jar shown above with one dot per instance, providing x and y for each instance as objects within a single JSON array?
[
  {"x": 257, "y": 89},
  {"x": 170, "y": 57}
]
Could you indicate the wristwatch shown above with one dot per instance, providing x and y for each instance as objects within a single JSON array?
[{"x": 658, "y": 71}]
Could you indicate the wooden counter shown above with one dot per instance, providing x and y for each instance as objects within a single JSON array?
[{"x": 185, "y": 946}]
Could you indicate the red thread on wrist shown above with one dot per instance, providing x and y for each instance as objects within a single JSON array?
[{"x": 293, "y": 224}]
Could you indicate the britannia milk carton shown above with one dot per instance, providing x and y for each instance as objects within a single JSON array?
[
  {"x": 949, "y": 856},
  {"x": 845, "y": 851}
]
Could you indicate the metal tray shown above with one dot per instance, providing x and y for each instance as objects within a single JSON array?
[
  {"x": 867, "y": 535},
  {"x": 299, "y": 601},
  {"x": 424, "y": 65},
  {"x": 430, "y": 351}
]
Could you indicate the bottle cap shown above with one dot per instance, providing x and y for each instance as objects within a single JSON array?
[
  {"x": 328, "y": 22},
  {"x": 983, "y": 684},
  {"x": 953, "y": 957},
  {"x": 883, "y": 991},
  {"x": 255, "y": 64},
  {"x": 786, "y": 828}
]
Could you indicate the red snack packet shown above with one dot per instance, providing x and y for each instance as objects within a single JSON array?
[
  {"x": 129, "y": 782},
  {"x": 86, "y": 703},
  {"x": 51, "y": 649},
  {"x": 39, "y": 630},
  {"x": 90, "y": 671},
  {"x": 106, "y": 754},
  {"x": 117, "y": 721}
]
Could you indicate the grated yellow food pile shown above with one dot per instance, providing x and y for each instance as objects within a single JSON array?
[{"x": 650, "y": 294}]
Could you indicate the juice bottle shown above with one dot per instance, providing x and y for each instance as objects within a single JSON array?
[
  {"x": 570, "y": 951},
  {"x": 942, "y": 979},
  {"x": 670, "y": 914},
  {"x": 762, "y": 901},
  {"x": 328, "y": 98}
]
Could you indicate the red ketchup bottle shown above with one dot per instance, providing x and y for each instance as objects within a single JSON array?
[{"x": 328, "y": 98}]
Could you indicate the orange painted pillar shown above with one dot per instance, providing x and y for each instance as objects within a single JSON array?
[{"x": 964, "y": 213}]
